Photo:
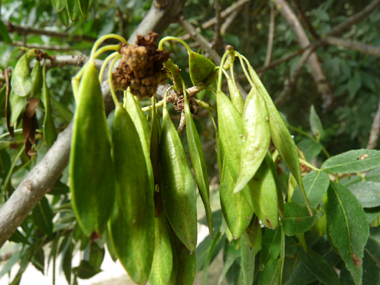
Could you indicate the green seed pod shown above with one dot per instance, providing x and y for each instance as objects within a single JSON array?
[
  {"x": 200, "y": 67},
  {"x": 17, "y": 106},
  {"x": 264, "y": 196},
  {"x": 253, "y": 234},
  {"x": 256, "y": 138},
  {"x": 38, "y": 80},
  {"x": 143, "y": 129},
  {"x": 281, "y": 137},
  {"x": 199, "y": 163},
  {"x": 236, "y": 98},
  {"x": 162, "y": 265},
  {"x": 21, "y": 81},
  {"x": 132, "y": 227},
  {"x": 236, "y": 210},
  {"x": 92, "y": 181},
  {"x": 185, "y": 263},
  {"x": 50, "y": 133},
  {"x": 178, "y": 187}
]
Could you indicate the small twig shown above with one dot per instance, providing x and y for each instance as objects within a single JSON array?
[
  {"x": 182, "y": 123},
  {"x": 44, "y": 47},
  {"x": 14, "y": 28},
  {"x": 218, "y": 23},
  {"x": 229, "y": 20},
  {"x": 354, "y": 45},
  {"x": 271, "y": 35},
  {"x": 375, "y": 130},
  {"x": 223, "y": 15},
  {"x": 342, "y": 27},
  {"x": 291, "y": 84},
  {"x": 305, "y": 20}
]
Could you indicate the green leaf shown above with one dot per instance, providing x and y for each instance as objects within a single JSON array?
[
  {"x": 96, "y": 255},
  {"x": 297, "y": 218},
  {"x": 371, "y": 269},
  {"x": 367, "y": 193},
  {"x": 316, "y": 184},
  {"x": 4, "y": 36},
  {"x": 349, "y": 180},
  {"x": 203, "y": 250},
  {"x": 227, "y": 265},
  {"x": 319, "y": 267},
  {"x": 73, "y": 9},
  {"x": 270, "y": 245},
  {"x": 38, "y": 260},
  {"x": 247, "y": 263},
  {"x": 353, "y": 161},
  {"x": 66, "y": 262},
  {"x": 59, "y": 5},
  {"x": 85, "y": 270},
  {"x": 300, "y": 276},
  {"x": 19, "y": 238},
  {"x": 21, "y": 81},
  {"x": 43, "y": 217},
  {"x": 310, "y": 148},
  {"x": 63, "y": 111},
  {"x": 315, "y": 123},
  {"x": 83, "y": 5},
  {"x": 373, "y": 244},
  {"x": 10, "y": 263},
  {"x": 64, "y": 17},
  {"x": 5, "y": 163},
  {"x": 372, "y": 214},
  {"x": 348, "y": 227},
  {"x": 217, "y": 217},
  {"x": 59, "y": 189},
  {"x": 271, "y": 272},
  {"x": 50, "y": 133},
  {"x": 17, "y": 105},
  {"x": 354, "y": 84}
]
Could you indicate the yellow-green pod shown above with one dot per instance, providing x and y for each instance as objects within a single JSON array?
[
  {"x": 264, "y": 196},
  {"x": 143, "y": 129},
  {"x": 200, "y": 67},
  {"x": 21, "y": 80},
  {"x": 236, "y": 210},
  {"x": 178, "y": 187},
  {"x": 162, "y": 265},
  {"x": 235, "y": 95},
  {"x": 199, "y": 163},
  {"x": 92, "y": 181},
  {"x": 50, "y": 133},
  {"x": 253, "y": 234},
  {"x": 256, "y": 138},
  {"x": 38, "y": 79},
  {"x": 132, "y": 226},
  {"x": 281, "y": 137}
]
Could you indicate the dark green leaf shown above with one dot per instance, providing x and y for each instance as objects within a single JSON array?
[
  {"x": 372, "y": 213},
  {"x": 19, "y": 238},
  {"x": 271, "y": 272},
  {"x": 300, "y": 276},
  {"x": 43, "y": 216},
  {"x": 373, "y": 244},
  {"x": 38, "y": 260},
  {"x": 4, "y": 36},
  {"x": 348, "y": 227},
  {"x": 17, "y": 105},
  {"x": 83, "y": 5},
  {"x": 316, "y": 184},
  {"x": 73, "y": 9},
  {"x": 319, "y": 267},
  {"x": 66, "y": 262},
  {"x": 310, "y": 148},
  {"x": 96, "y": 255},
  {"x": 85, "y": 270},
  {"x": 64, "y": 17},
  {"x": 270, "y": 245},
  {"x": 371, "y": 270},
  {"x": 227, "y": 265},
  {"x": 5, "y": 163},
  {"x": 59, "y": 189},
  {"x": 315, "y": 123},
  {"x": 353, "y": 161},
  {"x": 59, "y": 5},
  {"x": 297, "y": 218},
  {"x": 367, "y": 193},
  {"x": 354, "y": 84},
  {"x": 349, "y": 180},
  {"x": 247, "y": 263},
  {"x": 50, "y": 133},
  {"x": 203, "y": 249}
]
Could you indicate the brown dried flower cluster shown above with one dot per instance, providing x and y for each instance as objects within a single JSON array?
[
  {"x": 141, "y": 67},
  {"x": 179, "y": 105}
]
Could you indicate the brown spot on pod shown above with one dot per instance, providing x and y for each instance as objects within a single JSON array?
[{"x": 269, "y": 223}]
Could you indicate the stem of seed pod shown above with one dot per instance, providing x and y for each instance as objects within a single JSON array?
[
  {"x": 244, "y": 69},
  {"x": 161, "y": 43},
  {"x": 110, "y": 82},
  {"x": 308, "y": 164},
  {"x": 205, "y": 105},
  {"x": 103, "y": 38},
  {"x": 105, "y": 63},
  {"x": 221, "y": 70},
  {"x": 158, "y": 104},
  {"x": 106, "y": 48}
]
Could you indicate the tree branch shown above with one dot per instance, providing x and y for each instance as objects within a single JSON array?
[
  {"x": 14, "y": 28},
  {"x": 342, "y": 27},
  {"x": 270, "y": 36},
  {"x": 316, "y": 69},
  {"x": 44, "y": 47},
  {"x": 223, "y": 15},
  {"x": 306, "y": 21},
  {"x": 43, "y": 176},
  {"x": 230, "y": 19},
  {"x": 375, "y": 130},
  {"x": 218, "y": 24},
  {"x": 354, "y": 45}
]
